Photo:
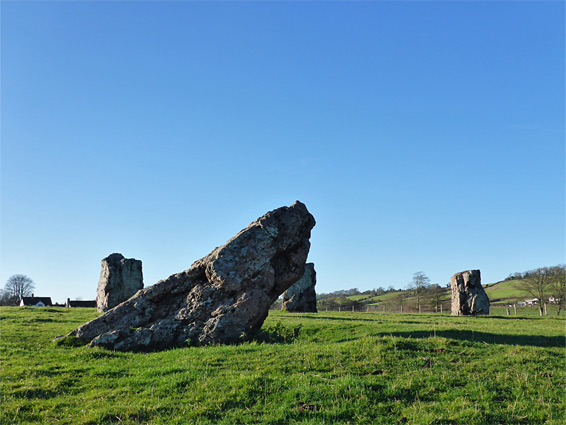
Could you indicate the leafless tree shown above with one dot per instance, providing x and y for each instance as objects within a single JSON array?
[
  {"x": 558, "y": 288},
  {"x": 419, "y": 286},
  {"x": 538, "y": 285},
  {"x": 437, "y": 295},
  {"x": 399, "y": 299},
  {"x": 16, "y": 287}
]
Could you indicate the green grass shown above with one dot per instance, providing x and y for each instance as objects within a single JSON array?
[
  {"x": 498, "y": 293},
  {"x": 505, "y": 292},
  {"x": 373, "y": 299},
  {"x": 357, "y": 368},
  {"x": 531, "y": 311}
]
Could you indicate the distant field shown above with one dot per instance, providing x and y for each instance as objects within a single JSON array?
[
  {"x": 499, "y": 293},
  {"x": 505, "y": 292},
  {"x": 334, "y": 368},
  {"x": 383, "y": 298},
  {"x": 373, "y": 299}
]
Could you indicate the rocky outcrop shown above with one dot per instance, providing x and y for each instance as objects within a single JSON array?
[
  {"x": 120, "y": 278},
  {"x": 220, "y": 297},
  {"x": 468, "y": 295},
  {"x": 301, "y": 297}
]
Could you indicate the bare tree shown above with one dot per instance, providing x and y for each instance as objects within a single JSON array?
[
  {"x": 558, "y": 288},
  {"x": 399, "y": 299},
  {"x": 437, "y": 295},
  {"x": 537, "y": 284},
  {"x": 418, "y": 286},
  {"x": 16, "y": 287}
]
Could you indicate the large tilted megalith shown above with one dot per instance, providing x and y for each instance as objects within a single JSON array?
[
  {"x": 301, "y": 297},
  {"x": 221, "y": 296},
  {"x": 468, "y": 295},
  {"x": 120, "y": 278}
]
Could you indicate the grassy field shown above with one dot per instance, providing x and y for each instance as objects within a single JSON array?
[
  {"x": 357, "y": 368},
  {"x": 506, "y": 292},
  {"x": 499, "y": 293}
]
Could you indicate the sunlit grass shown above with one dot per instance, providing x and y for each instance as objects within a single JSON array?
[{"x": 341, "y": 368}]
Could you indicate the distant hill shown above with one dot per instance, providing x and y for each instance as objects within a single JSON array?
[
  {"x": 499, "y": 293},
  {"x": 505, "y": 292}
]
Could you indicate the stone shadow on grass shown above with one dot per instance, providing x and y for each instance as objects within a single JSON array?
[
  {"x": 317, "y": 316},
  {"x": 488, "y": 338}
]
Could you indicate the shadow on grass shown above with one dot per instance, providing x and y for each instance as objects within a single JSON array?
[
  {"x": 274, "y": 334},
  {"x": 405, "y": 317},
  {"x": 472, "y": 336},
  {"x": 340, "y": 319},
  {"x": 534, "y": 317}
]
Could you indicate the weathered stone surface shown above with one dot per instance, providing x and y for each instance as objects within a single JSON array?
[
  {"x": 301, "y": 297},
  {"x": 468, "y": 295},
  {"x": 120, "y": 278},
  {"x": 222, "y": 295}
]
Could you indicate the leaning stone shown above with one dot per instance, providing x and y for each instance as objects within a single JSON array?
[
  {"x": 120, "y": 278},
  {"x": 468, "y": 295},
  {"x": 223, "y": 295},
  {"x": 301, "y": 297}
]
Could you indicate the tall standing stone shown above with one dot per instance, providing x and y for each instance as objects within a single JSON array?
[
  {"x": 468, "y": 295},
  {"x": 301, "y": 297},
  {"x": 120, "y": 278},
  {"x": 223, "y": 295}
]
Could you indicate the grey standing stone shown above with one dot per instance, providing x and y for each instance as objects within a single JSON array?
[
  {"x": 301, "y": 297},
  {"x": 120, "y": 278},
  {"x": 468, "y": 295},
  {"x": 221, "y": 296}
]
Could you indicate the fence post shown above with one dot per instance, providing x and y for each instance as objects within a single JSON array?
[
  {"x": 515, "y": 308},
  {"x": 508, "y": 312},
  {"x": 352, "y": 309},
  {"x": 440, "y": 308},
  {"x": 545, "y": 313}
]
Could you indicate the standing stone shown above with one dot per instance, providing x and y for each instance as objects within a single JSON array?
[
  {"x": 468, "y": 296},
  {"x": 223, "y": 295},
  {"x": 301, "y": 297},
  {"x": 120, "y": 278}
]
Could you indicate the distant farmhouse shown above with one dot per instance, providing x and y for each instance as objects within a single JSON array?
[
  {"x": 36, "y": 301},
  {"x": 80, "y": 304}
]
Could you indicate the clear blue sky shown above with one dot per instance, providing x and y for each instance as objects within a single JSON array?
[{"x": 423, "y": 136}]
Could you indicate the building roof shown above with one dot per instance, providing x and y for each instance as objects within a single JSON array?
[
  {"x": 33, "y": 301},
  {"x": 80, "y": 303}
]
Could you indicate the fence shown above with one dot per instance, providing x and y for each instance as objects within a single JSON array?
[{"x": 495, "y": 310}]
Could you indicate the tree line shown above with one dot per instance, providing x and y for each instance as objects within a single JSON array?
[
  {"x": 16, "y": 287},
  {"x": 544, "y": 284},
  {"x": 419, "y": 295},
  {"x": 553, "y": 270}
]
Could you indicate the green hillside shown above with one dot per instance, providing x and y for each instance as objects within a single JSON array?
[
  {"x": 373, "y": 299},
  {"x": 505, "y": 292},
  {"x": 499, "y": 293}
]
